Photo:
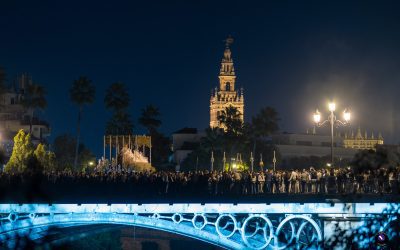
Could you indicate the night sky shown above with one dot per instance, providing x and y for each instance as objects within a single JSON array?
[{"x": 291, "y": 55}]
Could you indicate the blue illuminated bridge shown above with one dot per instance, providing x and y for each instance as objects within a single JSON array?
[{"x": 235, "y": 225}]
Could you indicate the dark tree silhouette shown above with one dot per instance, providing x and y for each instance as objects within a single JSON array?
[
  {"x": 117, "y": 100},
  {"x": 117, "y": 97},
  {"x": 82, "y": 93},
  {"x": 150, "y": 118},
  {"x": 34, "y": 99},
  {"x": 230, "y": 119}
]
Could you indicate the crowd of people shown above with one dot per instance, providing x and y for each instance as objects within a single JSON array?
[{"x": 305, "y": 181}]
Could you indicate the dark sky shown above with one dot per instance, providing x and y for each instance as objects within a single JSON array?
[{"x": 292, "y": 55}]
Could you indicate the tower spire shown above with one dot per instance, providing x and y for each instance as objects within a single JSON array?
[
  {"x": 227, "y": 68},
  {"x": 227, "y": 94},
  {"x": 228, "y": 41}
]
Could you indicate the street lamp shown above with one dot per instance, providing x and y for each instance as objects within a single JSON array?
[{"x": 332, "y": 120}]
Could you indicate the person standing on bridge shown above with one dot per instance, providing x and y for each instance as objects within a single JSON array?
[
  {"x": 276, "y": 182},
  {"x": 253, "y": 183},
  {"x": 268, "y": 181},
  {"x": 286, "y": 181},
  {"x": 304, "y": 180},
  {"x": 313, "y": 177},
  {"x": 331, "y": 182},
  {"x": 261, "y": 183},
  {"x": 294, "y": 182}
]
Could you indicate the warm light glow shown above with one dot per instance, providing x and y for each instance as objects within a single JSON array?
[
  {"x": 346, "y": 115},
  {"x": 317, "y": 116},
  {"x": 332, "y": 106},
  {"x": 91, "y": 163}
]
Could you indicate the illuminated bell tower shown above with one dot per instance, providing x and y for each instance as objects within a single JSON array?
[{"x": 226, "y": 95}]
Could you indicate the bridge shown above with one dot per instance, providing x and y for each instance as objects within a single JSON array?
[{"x": 228, "y": 225}]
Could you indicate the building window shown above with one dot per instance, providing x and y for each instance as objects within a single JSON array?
[
  {"x": 228, "y": 86},
  {"x": 12, "y": 101},
  {"x": 327, "y": 144},
  {"x": 304, "y": 143}
]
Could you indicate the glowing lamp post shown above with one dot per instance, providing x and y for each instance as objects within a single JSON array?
[{"x": 333, "y": 121}]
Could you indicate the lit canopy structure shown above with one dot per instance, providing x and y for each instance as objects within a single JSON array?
[{"x": 116, "y": 143}]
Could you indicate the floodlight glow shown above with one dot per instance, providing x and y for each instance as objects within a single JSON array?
[
  {"x": 332, "y": 106},
  {"x": 317, "y": 116},
  {"x": 346, "y": 115}
]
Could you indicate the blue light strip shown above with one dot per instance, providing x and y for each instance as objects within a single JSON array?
[
  {"x": 274, "y": 208},
  {"x": 228, "y": 225}
]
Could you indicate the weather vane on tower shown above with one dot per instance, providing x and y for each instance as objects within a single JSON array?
[{"x": 228, "y": 41}]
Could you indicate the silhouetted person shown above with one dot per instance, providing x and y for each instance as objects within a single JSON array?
[{"x": 331, "y": 182}]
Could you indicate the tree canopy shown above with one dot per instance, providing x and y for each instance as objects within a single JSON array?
[
  {"x": 117, "y": 100},
  {"x": 265, "y": 122},
  {"x": 24, "y": 155},
  {"x": 150, "y": 118},
  {"x": 230, "y": 119},
  {"x": 117, "y": 97},
  {"x": 22, "y": 151},
  {"x": 34, "y": 99},
  {"x": 81, "y": 93},
  {"x": 64, "y": 146},
  {"x": 237, "y": 140}
]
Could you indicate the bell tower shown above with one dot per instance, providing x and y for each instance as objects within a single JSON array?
[{"x": 226, "y": 95}]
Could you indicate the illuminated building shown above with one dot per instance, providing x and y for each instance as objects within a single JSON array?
[
  {"x": 291, "y": 145},
  {"x": 362, "y": 142},
  {"x": 14, "y": 116},
  {"x": 184, "y": 141},
  {"x": 310, "y": 144},
  {"x": 226, "y": 95}
]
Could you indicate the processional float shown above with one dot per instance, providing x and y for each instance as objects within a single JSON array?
[{"x": 127, "y": 148}]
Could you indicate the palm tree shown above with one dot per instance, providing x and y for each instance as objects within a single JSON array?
[
  {"x": 119, "y": 123},
  {"x": 34, "y": 98},
  {"x": 264, "y": 124},
  {"x": 149, "y": 119},
  {"x": 81, "y": 93},
  {"x": 117, "y": 97},
  {"x": 212, "y": 141},
  {"x": 230, "y": 119}
]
